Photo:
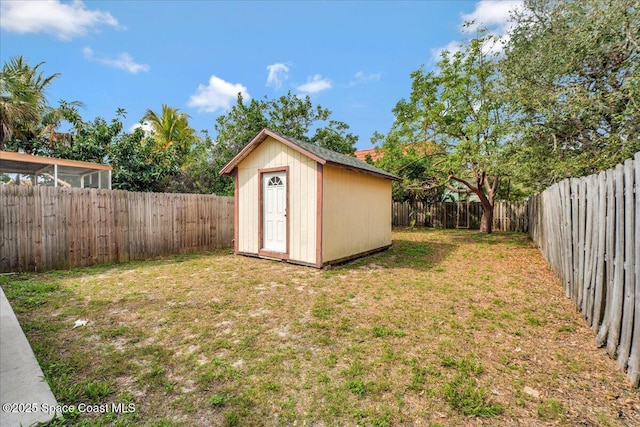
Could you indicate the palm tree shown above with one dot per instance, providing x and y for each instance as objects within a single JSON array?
[
  {"x": 171, "y": 128},
  {"x": 22, "y": 99},
  {"x": 51, "y": 120}
]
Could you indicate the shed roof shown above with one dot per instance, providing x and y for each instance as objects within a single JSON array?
[{"x": 320, "y": 154}]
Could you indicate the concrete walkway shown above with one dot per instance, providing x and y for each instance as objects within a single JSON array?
[{"x": 24, "y": 394}]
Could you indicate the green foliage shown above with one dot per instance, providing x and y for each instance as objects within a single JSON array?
[
  {"x": 289, "y": 115},
  {"x": 90, "y": 142},
  {"x": 96, "y": 391},
  {"x": 22, "y": 103},
  {"x": 172, "y": 157},
  {"x": 461, "y": 391},
  {"x": 384, "y": 331},
  {"x": 217, "y": 400},
  {"x": 170, "y": 130},
  {"x": 462, "y": 394},
  {"x": 357, "y": 387},
  {"x": 457, "y": 113},
  {"x": 574, "y": 89},
  {"x": 138, "y": 165},
  {"x": 561, "y": 100},
  {"x": 550, "y": 410},
  {"x": 200, "y": 174},
  {"x": 413, "y": 162}
]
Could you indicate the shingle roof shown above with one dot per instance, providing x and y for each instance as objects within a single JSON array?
[{"x": 319, "y": 154}]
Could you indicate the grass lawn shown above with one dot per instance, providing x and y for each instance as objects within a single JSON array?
[{"x": 446, "y": 328}]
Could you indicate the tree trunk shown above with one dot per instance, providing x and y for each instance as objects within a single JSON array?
[
  {"x": 486, "y": 223},
  {"x": 487, "y": 200}
]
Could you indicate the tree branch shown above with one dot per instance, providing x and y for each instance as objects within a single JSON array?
[{"x": 462, "y": 181}]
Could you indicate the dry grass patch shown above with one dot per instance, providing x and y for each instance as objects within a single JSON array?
[{"x": 446, "y": 328}]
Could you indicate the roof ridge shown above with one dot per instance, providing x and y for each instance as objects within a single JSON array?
[
  {"x": 336, "y": 157},
  {"x": 320, "y": 154}
]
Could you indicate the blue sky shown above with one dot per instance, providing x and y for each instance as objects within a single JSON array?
[{"x": 353, "y": 58}]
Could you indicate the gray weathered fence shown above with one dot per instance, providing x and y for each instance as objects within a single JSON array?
[
  {"x": 43, "y": 228},
  {"x": 589, "y": 232},
  {"x": 508, "y": 216}
]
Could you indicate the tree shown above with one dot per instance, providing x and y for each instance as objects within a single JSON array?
[
  {"x": 138, "y": 165},
  {"x": 294, "y": 117},
  {"x": 459, "y": 108},
  {"x": 573, "y": 75},
  {"x": 414, "y": 161},
  {"x": 171, "y": 129},
  {"x": 289, "y": 115},
  {"x": 239, "y": 125},
  {"x": 334, "y": 137},
  {"x": 91, "y": 140},
  {"x": 201, "y": 175},
  {"x": 53, "y": 118},
  {"x": 22, "y": 102}
]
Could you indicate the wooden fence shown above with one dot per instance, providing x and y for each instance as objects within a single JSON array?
[
  {"x": 508, "y": 216},
  {"x": 588, "y": 229},
  {"x": 44, "y": 228}
]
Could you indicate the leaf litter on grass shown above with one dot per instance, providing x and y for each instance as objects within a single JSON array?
[{"x": 446, "y": 328}]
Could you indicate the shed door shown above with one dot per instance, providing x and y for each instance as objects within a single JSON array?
[{"x": 274, "y": 229}]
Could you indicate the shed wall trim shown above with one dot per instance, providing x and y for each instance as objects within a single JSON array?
[
  {"x": 319, "y": 189},
  {"x": 256, "y": 141},
  {"x": 235, "y": 210}
]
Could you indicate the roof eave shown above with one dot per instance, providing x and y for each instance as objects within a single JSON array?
[
  {"x": 257, "y": 140},
  {"x": 264, "y": 133},
  {"x": 366, "y": 171}
]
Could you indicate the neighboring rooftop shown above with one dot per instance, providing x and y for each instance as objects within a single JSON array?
[{"x": 375, "y": 154}]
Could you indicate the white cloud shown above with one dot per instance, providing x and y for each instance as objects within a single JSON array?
[
  {"x": 278, "y": 73},
  {"x": 217, "y": 95},
  {"x": 361, "y": 77},
  {"x": 315, "y": 84},
  {"x": 491, "y": 14},
  {"x": 146, "y": 127},
  {"x": 124, "y": 61},
  {"x": 63, "y": 20},
  {"x": 452, "y": 48}
]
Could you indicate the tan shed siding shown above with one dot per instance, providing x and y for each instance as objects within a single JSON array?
[
  {"x": 302, "y": 199},
  {"x": 356, "y": 213},
  {"x": 247, "y": 209}
]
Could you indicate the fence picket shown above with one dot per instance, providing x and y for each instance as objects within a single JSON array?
[
  {"x": 508, "y": 216},
  {"x": 599, "y": 270},
  {"x": 617, "y": 295},
  {"x": 626, "y": 327},
  {"x": 43, "y": 228},
  {"x": 634, "y": 356},
  {"x": 588, "y": 231}
]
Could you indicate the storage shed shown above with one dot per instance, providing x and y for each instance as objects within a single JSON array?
[{"x": 306, "y": 204}]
